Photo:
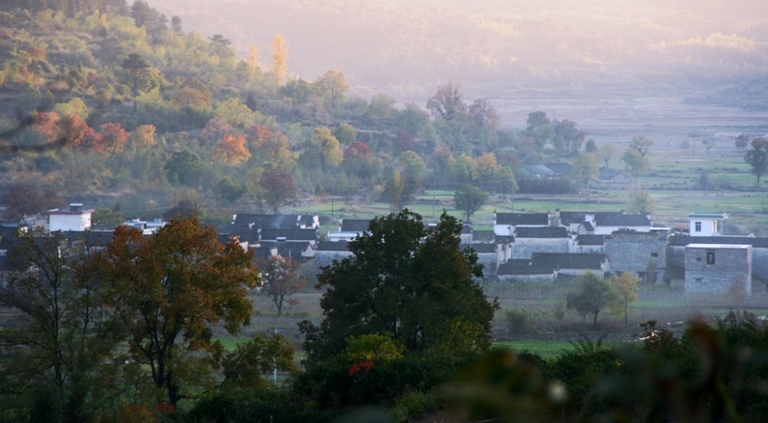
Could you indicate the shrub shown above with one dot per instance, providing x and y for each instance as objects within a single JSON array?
[{"x": 518, "y": 321}]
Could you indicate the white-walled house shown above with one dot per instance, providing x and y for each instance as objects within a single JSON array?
[
  {"x": 73, "y": 218},
  {"x": 706, "y": 224}
]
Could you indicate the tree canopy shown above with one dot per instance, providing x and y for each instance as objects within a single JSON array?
[
  {"x": 168, "y": 289},
  {"x": 408, "y": 281}
]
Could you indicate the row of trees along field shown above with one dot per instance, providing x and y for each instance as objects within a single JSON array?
[
  {"x": 105, "y": 99},
  {"x": 126, "y": 334}
]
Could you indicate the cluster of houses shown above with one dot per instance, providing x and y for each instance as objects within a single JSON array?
[{"x": 526, "y": 247}]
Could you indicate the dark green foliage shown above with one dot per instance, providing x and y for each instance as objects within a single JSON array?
[
  {"x": 469, "y": 199},
  {"x": 266, "y": 405},
  {"x": 413, "y": 283},
  {"x": 593, "y": 295},
  {"x": 330, "y": 385}
]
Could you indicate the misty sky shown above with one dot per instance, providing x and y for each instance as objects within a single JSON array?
[{"x": 408, "y": 45}]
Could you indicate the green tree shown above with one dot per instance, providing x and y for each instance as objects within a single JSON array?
[
  {"x": 411, "y": 164},
  {"x": 168, "y": 290},
  {"x": 469, "y": 199},
  {"x": 323, "y": 148},
  {"x": 592, "y": 298},
  {"x": 138, "y": 69},
  {"x": 65, "y": 341},
  {"x": 585, "y": 169},
  {"x": 393, "y": 192},
  {"x": 333, "y": 88},
  {"x": 183, "y": 167},
  {"x": 641, "y": 202},
  {"x": 605, "y": 153},
  {"x": 345, "y": 133},
  {"x": 402, "y": 279},
  {"x": 280, "y": 279},
  {"x": 450, "y": 114},
  {"x": 539, "y": 127},
  {"x": 623, "y": 293},
  {"x": 636, "y": 157},
  {"x": 757, "y": 158}
]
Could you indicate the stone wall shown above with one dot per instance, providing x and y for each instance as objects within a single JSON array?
[
  {"x": 717, "y": 268},
  {"x": 525, "y": 247},
  {"x": 636, "y": 251}
]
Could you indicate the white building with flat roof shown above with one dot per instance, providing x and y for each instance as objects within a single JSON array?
[{"x": 73, "y": 218}]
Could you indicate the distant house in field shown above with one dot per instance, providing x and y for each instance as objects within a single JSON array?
[
  {"x": 529, "y": 240},
  {"x": 608, "y": 222},
  {"x": 466, "y": 234},
  {"x": 718, "y": 269},
  {"x": 504, "y": 224},
  {"x": 706, "y": 224},
  {"x": 547, "y": 170},
  {"x": 72, "y": 218},
  {"x": 611, "y": 179}
]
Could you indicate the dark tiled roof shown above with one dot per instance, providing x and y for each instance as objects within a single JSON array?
[
  {"x": 683, "y": 240},
  {"x": 541, "y": 219},
  {"x": 588, "y": 226},
  {"x": 268, "y": 221},
  {"x": 511, "y": 269},
  {"x": 569, "y": 217},
  {"x": 333, "y": 246},
  {"x": 621, "y": 219},
  {"x": 466, "y": 229},
  {"x": 577, "y": 261},
  {"x": 289, "y": 234},
  {"x": 541, "y": 232},
  {"x": 480, "y": 247},
  {"x": 607, "y": 174},
  {"x": 560, "y": 168},
  {"x": 500, "y": 239},
  {"x": 590, "y": 239},
  {"x": 307, "y": 220},
  {"x": 355, "y": 225}
]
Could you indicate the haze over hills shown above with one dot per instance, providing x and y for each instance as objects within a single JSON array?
[{"x": 407, "y": 48}]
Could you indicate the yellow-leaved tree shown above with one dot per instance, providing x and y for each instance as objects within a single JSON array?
[
  {"x": 623, "y": 289},
  {"x": 279, "y": 59}
]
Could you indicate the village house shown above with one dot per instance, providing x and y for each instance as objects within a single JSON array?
[
  {"x": 504, "y": 224},
  {"x": 608, "y": 222},
  {"x": 574, "y": 263},
  {"x": 706, "y": 224},
  {"x": 349, "y": 229},
  {"x": 72, "y": 218},
  {"x": 529, "y": 240},
  {"x": 718, "y": 269},
  {"x": 642, "y": 253}
]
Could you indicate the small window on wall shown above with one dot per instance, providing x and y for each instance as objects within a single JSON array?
[
  {"x": 654, "y": 254},
  {"x": 710, "y": 257},
  {"x": 698, "y": 226}
]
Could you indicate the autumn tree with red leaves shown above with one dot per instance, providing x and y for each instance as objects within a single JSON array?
[
  {"x": 115, "y": 137},
  {"x": 278, "y": 188}
]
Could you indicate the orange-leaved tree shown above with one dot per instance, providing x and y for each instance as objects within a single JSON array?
[
  {"x": 168, "y": 289},
  {"x": 231, "y": 150}
]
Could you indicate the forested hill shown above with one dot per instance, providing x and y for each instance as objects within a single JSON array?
[{"x": 125, "y": 109}]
